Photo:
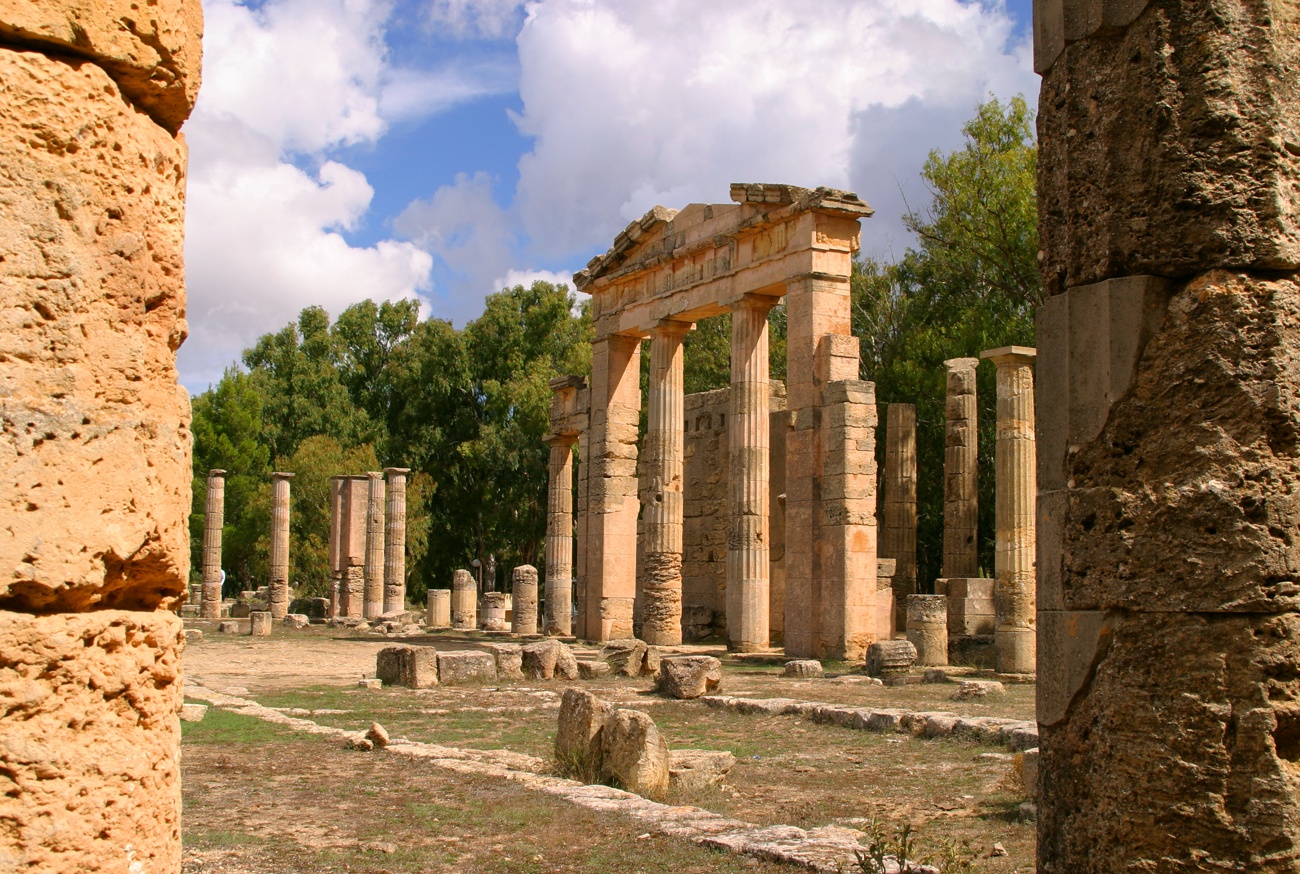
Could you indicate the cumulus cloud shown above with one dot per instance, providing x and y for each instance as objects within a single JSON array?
[
  {"x": 633, "y": 104},
  {"x": 526, "y": 278},
  {"x": 483, "y": 19}
]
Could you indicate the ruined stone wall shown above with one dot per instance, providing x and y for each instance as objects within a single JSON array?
[
  {"x": 94, "y": 429},
  {"x": 1169, "y": 432}
]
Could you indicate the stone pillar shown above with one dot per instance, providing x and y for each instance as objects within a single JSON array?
[
  {"x": 661, "y": 504},
  {"x": 213, "y": 521},
  {"x": 395, "y": 540},
  {"x": 611, "y": 517},
  {"x": 464, "y": 601},
  {"x": 961, "y": 472},
  {"x": 259, "y": 623},
  {"x": 279, "y": 582},
  {"x": 523, "y": 593},
  {"x": 492, "y": 612},
  {"x": 356, "y": 500},
  {"x": 1014, "y": 595},
  {"x": 438, "y": 608},
  {"x": 559, "y": 539},
  {"x": 374, "y": 566},
  {"x": 927, "y": 629},
  {"x": 898, "y": 539},
  {"x": 748, "y": 571},
  {"x": 338, "y": 487}
]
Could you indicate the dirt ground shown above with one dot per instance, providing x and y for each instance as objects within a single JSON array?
[{"x": 260, "y": 798}]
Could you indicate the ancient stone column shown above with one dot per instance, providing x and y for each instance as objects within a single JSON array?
[
  {"x": 338, "y": 489},
  {"x": 961, "y": 472},
  {"x": 661, "y": 504},
  {"x": 213, "y": 521},
  {"x": 523, "y": 592},
  {"x": 356, "y": 506},
  {"x": 279, "y": 576},
  {"x": 898, "y": 539},
  {"x": 1014, "y": 595},
  {"x": 259, "y": 623},
  {"x": 374, "y": 566},
  {"x": 559, "y": 539},
  {"x": 492, "y": 612},
  {"x": 395, "y": 540},
  {"x": 438, "y": 608},
  {"x": 748, "y": 437},
  {"x": 464, "y": 601},
  {"x": 927, "y": 629}
]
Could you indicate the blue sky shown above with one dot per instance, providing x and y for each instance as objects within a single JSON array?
[{"x": 441, "y": 149}]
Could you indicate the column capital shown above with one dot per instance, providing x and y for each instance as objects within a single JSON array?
[
  {"x": 671, "y": 328},
  {"x": 397, "y": 471},
  {"x": 561, "y": 439},
  {"x": 280, "y": 474},
  {"x": 964, "y": 363},
  {"x": 374, "y": 475},
  {"x": 217, "y": 472},
  {"x": 1011, "y": 355},
  {"x": 760, "y": 302}
]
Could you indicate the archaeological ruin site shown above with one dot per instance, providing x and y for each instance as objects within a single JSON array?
[{"x": 725, "y": 654}]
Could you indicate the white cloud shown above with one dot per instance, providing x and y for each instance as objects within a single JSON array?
[
  {"x": 526, "y": 278},
  {"x": 485, "y": 19},
  {"x": 633, "y": 104}
]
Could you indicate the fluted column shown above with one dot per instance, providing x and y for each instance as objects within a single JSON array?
[
  {"x": 374, "y": 566},
  {"x": 338, "y": 493},
  {"x": 279, "y": 583},
  {"x": 559, "y": 539},
  {"x": 395, "y": 540},
  {"x": 961, "y": 472},
  {"x": 661, "y": 505},
  {"x": 213, "y": 520},
  {"x": 748, "y": 573},
  {"x": 898, "y": 539},
  {"x": 1014, "y": 593}
]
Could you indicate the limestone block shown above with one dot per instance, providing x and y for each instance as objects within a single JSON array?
[
  {"x": 295, "y": 620},
  {"x": 806, "y": 668},
  {"x": 509, "y": 658},
  {"x": 1215, "y": 187},
  {"x": 524, "y": 591},
  {"x": 193, "y": 712},
  {"x": 625, "y": 658},
  {"x": 414, "y": 667},
  {"x": 578, "y": 736},
  {"x": 259, "y": 623},
  {"x": 890, "y": 658},
  {"x": 633, "y": 754},
  {"x": 927, "y": 628},
  {"x": 228, "y": 627},
  {"x": 1029, "y": 773},
  {"x": 89, "y": 747},
  {"x": 540, "y": 658},
  {"x": 689, "y": 676},
  {"x": 698, "y": 769},
  {"x": 377, "y": 735},
  {"x": 151, "y": 49},
  {"x": 653, "y": 655},
  {"x": 193, "y": 635},
  {"x": 492, "y": 616},
  {"x": 592, "y": 670},
  {"x": 438, "y": 611},
  {"x": 91, "y": 312},
  {"x": 466, "y": 667},
  {"x": 970, "y": 689},
  {"x": 566, "y": 663}
]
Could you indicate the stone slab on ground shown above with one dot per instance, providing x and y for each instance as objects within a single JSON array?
[
  {"x": 509, "y": 658},
  {"x": 466, "y": 666},
  {"x": 413, "y": 667},
  {"x": 697, "y": 769},
  {"x": 806, "y": 668}
]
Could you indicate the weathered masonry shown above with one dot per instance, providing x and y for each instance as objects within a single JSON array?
[{"x": 664, "y": 273}]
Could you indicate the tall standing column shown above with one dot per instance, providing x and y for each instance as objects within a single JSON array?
[
  {"x": 338, "y": 492},
  {"x": 898, "y": 539},
  {"x": 374, "y": 566},
  {"x": 279, "y": 583},
  {"x": 213, "y": 520},
  {"x": 395, "y": 540},
  {"x": 1014, "y": 593},
  {"x": 661, "y": 506},
  {"x": 748, "y": 572},
  {"x": 961, "y": 472},
  {"x": 559, "y": 539}
]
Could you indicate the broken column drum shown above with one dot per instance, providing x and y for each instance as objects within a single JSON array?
[
  {"x": 961, "y": 471},
  {"x": 492, "y": 611},
  {"x": 438, "y": 608},
  {"x": 213, "y": 522},
  {"x": 523, "y": 595},
  {"x": 279, "y": 552},
  {"x": 1014, "y": 587},
  {"x": 395, "y": 540},
  {"x": 927, "y": 629},
  {"x": 374, "y": 566},
  {"x": 898, "y": 539},
  {"x": 464, "y": 601}
]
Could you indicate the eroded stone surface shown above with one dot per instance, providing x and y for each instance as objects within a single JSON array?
[
  {"x": 633, "y": 754},
  {"x": 415, "y": 667},
  {"x": 577, "y": 739},
  {"x": 697, "y": 769},
  {"x": 625, "y": 658},
  {"x": 509, "y": 658},
  {"x": 689, "y": 676},
  {"x": 466, "y": 667}
]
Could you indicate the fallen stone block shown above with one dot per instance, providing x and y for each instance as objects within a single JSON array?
[
  {"x": 697, "y": 769},
  {"x": 414, "y": 667},
  {"x": 804, "y": 668},
  {"x": 633, "y": 754},
  {"x": 592, "y": 670},
  {"x": 890, "y": 658},
  {"x": 377, "y": 735},
  {"x": 296, "y": 620},
  {"x": 1029, "y": 773},
  {"x": 577, "y": 738},
  {"x": 689, "y": 676},
  {"x": 566, "y": 663},
  {"x": 509, "y": 658},
  {"x": 228, "y": 626},
  {"x": 626, "y": 658},
  {"x": 259, "y": 623},
  {"x": 370, "y": 683},
  {"x": 467, "y": 666},
  {"x": 193, "y": 712},
  {"x": 193, "y": 635},
  {"x": 969, "y": 689}
]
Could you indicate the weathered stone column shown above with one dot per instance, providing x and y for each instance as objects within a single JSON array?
[
  {"x": 898, "y": 539},
  {"x": 523, "y": 593},
  {"x": 374, "y": 566},
  {"x": 661, "y": 504},
  {"x": 748, "y": 571},
  {"x": 438, "y": 608},
  {"x": 1014, "y": 595},
  {"x": 927, "y": 629},
  {"x": 395, "y": 540},
  {"x": 559, "y": 539},
  {"x": 464, "y": 601},
  {"x": 356, "y": 509},
  {"x": 279, "y": 582},
  {"x": 961, "y": 472},
  {"x": 337, "y": 505},
  {"x": 214, "y": 515}
]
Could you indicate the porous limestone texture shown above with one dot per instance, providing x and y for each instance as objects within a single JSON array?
[
  {"x": 395, "y": 539},
  {"x": 805, "y": 668},
  {"x": 90, "y": 741},
  {"x": 509, "y": 658},
  {"x": 523, "y": 596},
  {"x": 150, "y": 48},
  {"x": 438, "y": 608},
  {"x": 547, "y": 659},
  {"x": 961, "y": 470},
  {"x": 626, "y": 658},
  {"x": 689, "y": 676},
  {"x": 633, "y": 754},
  {"x": 464, "y": 601},
  {"x": 92, "y": 284},
  {"x": 279, "y": 557},
  {"x": 414, "y": 667},
  {"x": 492, "y": 611},
  {"x": 259, "y": 623},
  {"x": 698, "y": 769},
  {"x": 466, "y": 667},
  {"x": 890, "y": 658},
  {"x": 927, "y": 629},
  {"x": 577, "y": 738},
  {"x": 373, "y": 592}
]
